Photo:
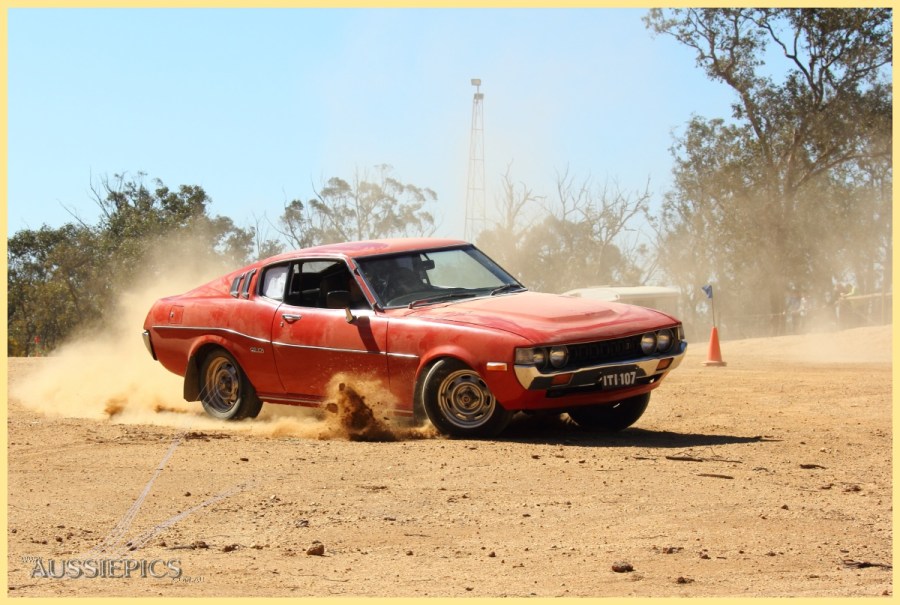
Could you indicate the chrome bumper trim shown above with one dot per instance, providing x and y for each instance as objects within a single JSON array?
[
  {"x": 149, "y": 344},
  {"x": 533, "y": 379}
]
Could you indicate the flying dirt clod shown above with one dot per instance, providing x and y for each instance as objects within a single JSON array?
[{"x": 357, "y": 419}]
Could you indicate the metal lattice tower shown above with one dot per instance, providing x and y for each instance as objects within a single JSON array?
[{"x": 476, "y": 220}]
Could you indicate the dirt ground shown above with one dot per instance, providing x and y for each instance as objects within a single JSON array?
[{"x": 769, "y": 477}]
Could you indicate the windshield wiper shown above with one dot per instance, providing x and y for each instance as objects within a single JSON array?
[
  {"x": 440, "y": 298},
  {"x": 507, "y": 288}
]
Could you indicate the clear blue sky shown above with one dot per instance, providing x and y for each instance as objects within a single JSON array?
[{"x": 260, "y": 106}]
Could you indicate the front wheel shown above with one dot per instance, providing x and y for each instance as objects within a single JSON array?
[
  {"x": 226, "y": 392},
  {"x": 459, "y": 403},
  {"x": 611, "y": 417}
]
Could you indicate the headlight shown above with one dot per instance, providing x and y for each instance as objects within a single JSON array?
[
  {"x": 648, "y": 343},
  {"x": 529, "y": 357},
  {"x": 663, "y": 340},
  {"x": 559, "y": 356}
]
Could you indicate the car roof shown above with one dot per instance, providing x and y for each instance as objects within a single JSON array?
[{"x": 365, "y": 248}]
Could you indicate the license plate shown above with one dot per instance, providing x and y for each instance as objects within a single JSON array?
[{"x": 617, "y": 379}]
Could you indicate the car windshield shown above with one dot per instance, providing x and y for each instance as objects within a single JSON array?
[{"x": 433, "y": 276}]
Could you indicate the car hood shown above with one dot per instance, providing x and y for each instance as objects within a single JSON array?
[{"x": 548, "y": 318}]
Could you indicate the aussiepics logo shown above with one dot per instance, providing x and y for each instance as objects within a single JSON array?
[{"x": 106, "y": 568}]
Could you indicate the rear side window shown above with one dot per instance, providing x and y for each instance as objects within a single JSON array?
[{"x": 274, "y": 281}]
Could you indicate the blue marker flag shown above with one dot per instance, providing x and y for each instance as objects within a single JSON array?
[{"x": 708, "y": 290}]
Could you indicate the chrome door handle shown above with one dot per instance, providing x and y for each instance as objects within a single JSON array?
[{"x": 290, "y": 318}]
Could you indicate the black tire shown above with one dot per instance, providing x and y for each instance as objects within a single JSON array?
[
  {"x": 225, "y": 391},
  {"x": 611, "y": 417},
  {"x": 458, "y": 402}
]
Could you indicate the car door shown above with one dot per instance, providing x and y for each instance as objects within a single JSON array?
[{"x": 313, "y": 343}]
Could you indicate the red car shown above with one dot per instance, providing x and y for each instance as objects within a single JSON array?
[{"x": 452, "y": 336}]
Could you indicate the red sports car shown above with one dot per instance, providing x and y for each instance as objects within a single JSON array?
[{"x": 452, "y": 336}]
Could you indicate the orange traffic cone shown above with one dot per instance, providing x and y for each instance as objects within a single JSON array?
[{"x": 714, "y": 358}]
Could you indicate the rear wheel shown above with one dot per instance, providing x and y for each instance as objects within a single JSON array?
[
  {"x": 611, "y": 417},
  {"x": 459, "y": 403},
  {"x": 225, "y": 391}
]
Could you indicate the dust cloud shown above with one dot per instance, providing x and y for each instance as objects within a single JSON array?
[
  {"x": 108, "y": 375},
  {"x": 866, "y": 345}
]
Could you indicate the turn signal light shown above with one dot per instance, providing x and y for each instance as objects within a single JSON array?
[{"x": 561, "y": 379}]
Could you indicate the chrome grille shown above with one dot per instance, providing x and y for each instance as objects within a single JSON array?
[{"x": 604, "y": 351}]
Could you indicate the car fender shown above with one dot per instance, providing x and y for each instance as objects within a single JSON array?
[
  {"x": 498, "y": 349},
  {"x": 452, "y": 351},
  {"x": 192, "y": 378}
]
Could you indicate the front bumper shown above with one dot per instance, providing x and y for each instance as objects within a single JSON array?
[{"x": 610, "y": 376}]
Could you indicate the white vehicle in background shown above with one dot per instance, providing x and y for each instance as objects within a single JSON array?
[{"x": 652, "y": 297}]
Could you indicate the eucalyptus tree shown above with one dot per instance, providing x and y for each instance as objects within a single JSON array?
[
  {"x": 64, "y": 279},
  {"x": 364, "y": 207},
  {"x": 577, "y": 237},
  {"x": 773, "y": 196}
]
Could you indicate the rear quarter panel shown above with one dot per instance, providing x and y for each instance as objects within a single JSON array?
[{"x": 181, "y": 326}]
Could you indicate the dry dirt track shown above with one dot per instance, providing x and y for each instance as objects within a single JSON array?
[{"x": 769, "y": 477}]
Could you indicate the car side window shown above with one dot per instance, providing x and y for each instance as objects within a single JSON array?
[
  {"x": 303, "y": 286},
  {"x": 274, "y": 281}
]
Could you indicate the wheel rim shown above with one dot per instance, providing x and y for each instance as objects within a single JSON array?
[
  {"x": 465, "y": 400},
  {"x": 223, "y": 390}
]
